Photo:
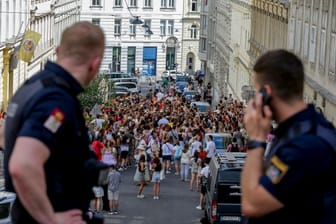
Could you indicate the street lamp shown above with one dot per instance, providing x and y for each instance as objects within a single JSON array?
[{"x": 136, "y": 20}]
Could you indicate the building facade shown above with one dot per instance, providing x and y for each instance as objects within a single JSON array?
[
  {"x": 132, "y": 48},
  {"x": 191, "y": 36},
  {"x": 203, "y": 42},
  {"x": 40, "y": 16},
  {"x": 239, "y": 71},
  {"x": 218, "y": 47},
  {"x": 312, "y": 36}
]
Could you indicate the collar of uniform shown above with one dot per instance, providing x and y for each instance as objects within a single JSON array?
[
  {"x": 308, "y": 113},
  {"x": 58, "y": 70}
]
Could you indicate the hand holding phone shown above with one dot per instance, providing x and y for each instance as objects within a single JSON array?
[{"x": 266, "y": 98}]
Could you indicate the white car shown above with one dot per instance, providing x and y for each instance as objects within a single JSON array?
[{"x": 131, "y": 86}]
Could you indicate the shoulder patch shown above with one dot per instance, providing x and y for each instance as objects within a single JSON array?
[
  {"x": 54, "y": 121},
  {"x": 276, "y": 170}
]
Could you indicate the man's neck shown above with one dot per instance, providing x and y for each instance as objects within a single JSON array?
[{"x": 288, "y": 110}]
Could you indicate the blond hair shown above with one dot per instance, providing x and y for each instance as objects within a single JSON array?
[{"x": 81, "y": 41}]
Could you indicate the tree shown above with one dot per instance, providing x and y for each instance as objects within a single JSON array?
[{"x": 95, "y": 93}]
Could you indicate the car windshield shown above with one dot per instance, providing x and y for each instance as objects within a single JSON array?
[{"x": 128, "y": 85}]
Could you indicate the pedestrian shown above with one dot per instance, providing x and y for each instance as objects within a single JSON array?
[
  {"x": 156, "y": 178},
  {"x": 295, "y": 182},
  {"x": 114, "y": 180},
  {"x": 195, "y": 164},
  {"x": 185, "y": 163},
  {"x": 210, "y": 149},
  {"x": 47, "y": 154},
  {"x": 204, "y": 174},
  {"x": 141, "y": 175},
  {"x": 177, "y": 157},
  {"x": 233, "y": 146}
]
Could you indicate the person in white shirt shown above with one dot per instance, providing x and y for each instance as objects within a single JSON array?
[
  {"x": 167, "y": 152},
  {"x": 210, "y": 149},
  {"x": 194, "y": 144},
  {"x": 98, "y": 121}
]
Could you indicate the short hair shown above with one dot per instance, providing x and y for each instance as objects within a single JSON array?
[
  {"x": 81, "y": 41},
  {"x": 283, "y": 71}
]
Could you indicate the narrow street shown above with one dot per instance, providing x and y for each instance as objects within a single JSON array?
[{"x": 177, "y": 204}]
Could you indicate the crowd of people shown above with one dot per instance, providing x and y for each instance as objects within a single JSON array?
[{"x": 161, "y": 135}]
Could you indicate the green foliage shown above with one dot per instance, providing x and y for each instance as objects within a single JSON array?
[{"x": 95, "y": 93}]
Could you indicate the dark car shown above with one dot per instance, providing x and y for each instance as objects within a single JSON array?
[{"x": 222, "y": 197}]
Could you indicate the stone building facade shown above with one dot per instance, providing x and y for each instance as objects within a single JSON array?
[
  {"x": 130, "y": 48},
  {"x": 190, "y": 62},
  {"x": 47, "y": 17},
  {"x": 312, "y": 36}
]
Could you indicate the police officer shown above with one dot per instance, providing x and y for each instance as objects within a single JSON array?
[
  {"x": 46, "y": 142},
  {"x": 289, "y": 186}
]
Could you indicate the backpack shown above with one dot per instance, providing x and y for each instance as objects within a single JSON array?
[{"x": 234, "y": 147}]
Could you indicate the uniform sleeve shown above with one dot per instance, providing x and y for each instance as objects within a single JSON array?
[
  {"x": 291, "y": 170},
  {"x": 50, "y": 116}
]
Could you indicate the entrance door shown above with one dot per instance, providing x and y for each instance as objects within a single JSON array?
[{"x": 170, "y": 58}]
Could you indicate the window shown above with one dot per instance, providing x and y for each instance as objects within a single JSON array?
[
  {"x": 147, "y": 25},
  {"x": 323, "y": 38},
  {"x": 332, "y": 59},
  {"x": 312, "y": 47},
  {"x": 116, "y": 56},
  {"x": 171, "y": 27},
  {"x": 193, "y": 32},
  {"x": 117, "y": 3},
  {"x": 306, "y": 40},
  {"x": 96, "y": 3},
  {"x": 203, "y": 44},
  {"x": 131, "y": 60},
  {"x": 117, "y": 26},
  {"x": 148, "y": 3},
  {"x": 96, "y": 21},
  {"x": 291, "y": 33},
  {"x": 133, "y": 3},
  {"x": 163, "y": 27},
  {"x": 167, "y": 3},
  {"x": 323, "y": 47},
  {"x": 171, "y": 4},
  {"x": 194, "y": 5},
  {"x": 132, "y": 30},
  {"x": 298, "y": 36}
]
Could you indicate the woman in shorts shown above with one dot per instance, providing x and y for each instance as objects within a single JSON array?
[{"x": 156, "y": 167}]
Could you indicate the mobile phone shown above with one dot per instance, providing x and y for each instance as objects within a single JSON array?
[{"x": 266, "y": 98}]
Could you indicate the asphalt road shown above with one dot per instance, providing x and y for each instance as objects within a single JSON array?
[{"x": 177, "y": 204}]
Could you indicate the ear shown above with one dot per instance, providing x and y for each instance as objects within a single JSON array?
[
  {"x": 95, "y": 64},
  {"x": 57, "y": 51},
  {"x": 268, "y": 89}
]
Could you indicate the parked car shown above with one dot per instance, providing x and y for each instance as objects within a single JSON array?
[
  {"x": 202, "y": 106},
  {"x": 189, "y": 95},
  {"x": 132, "y": 79},
  {"x": 131, "y": 86},
  {"x": 179, "y": 86},
  {"x": 119, "y": 91},
  {"x": 118, "y": 75},
  {"x": 222, "y": 197},
  {"x": 173, "y": 74}
]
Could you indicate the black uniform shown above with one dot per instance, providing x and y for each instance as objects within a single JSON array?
[
  {"x": 53, "y": 116},
  {"x": 299, "y": 173}
]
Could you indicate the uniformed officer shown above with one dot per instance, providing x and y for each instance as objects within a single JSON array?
[
  {"x": 46, "y": 142},
  {"x": 289, "y": 186}
]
